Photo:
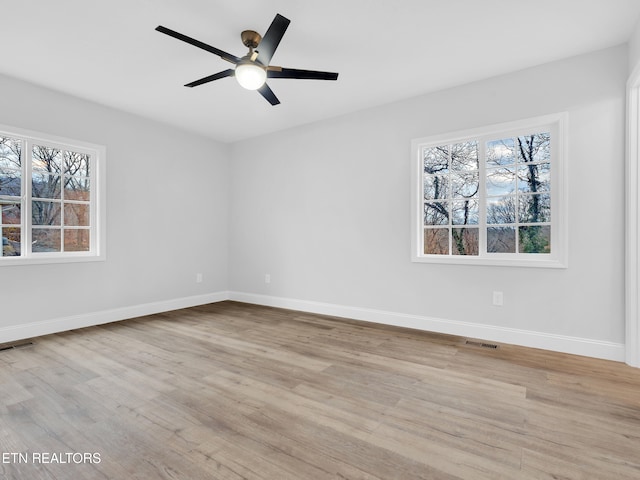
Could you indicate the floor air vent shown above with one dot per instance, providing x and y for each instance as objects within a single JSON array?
[
  {"x": 491, "y": 346},
  {"x": 11, "y": 346}
]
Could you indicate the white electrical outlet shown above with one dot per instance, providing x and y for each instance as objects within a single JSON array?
[
  {"x": 498, "y": 299},
  {"x": 198, "y": 278},
  {"x": 267, "y": 278}
]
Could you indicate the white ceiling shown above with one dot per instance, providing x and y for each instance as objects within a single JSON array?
[{"x": 109, "y": 52}]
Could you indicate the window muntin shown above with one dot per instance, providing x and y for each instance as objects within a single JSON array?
[
  {"x": 49, "y": 199},
  {"x": 494, "y": 195},
  {"x": 518, "y": 194},
  {"x": 451, "y": 208}
]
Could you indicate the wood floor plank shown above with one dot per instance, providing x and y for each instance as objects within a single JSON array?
[{"x": 231, "y": 391}]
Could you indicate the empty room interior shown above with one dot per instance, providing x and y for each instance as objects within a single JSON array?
[{"x": 320, "y": 240}]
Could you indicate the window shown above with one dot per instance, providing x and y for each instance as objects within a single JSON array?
[
  {"x": 50, "y": 196},
  {"x": 492, "y": 196}
]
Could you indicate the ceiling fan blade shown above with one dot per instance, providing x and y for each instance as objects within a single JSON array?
[
  {"x": 268, "y": 94},
  {"x": 301, "y": 74},
  {"x": 216, "y": 76},
  {"x": 197, "y": 43},
  {"x": 271, "y": 39}
]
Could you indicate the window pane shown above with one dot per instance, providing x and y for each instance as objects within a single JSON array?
[
  {"x": 46, "y": 160},
  {"x": 436, "y": 159},
  {"x": 501, "y": 152},
  {"x": 501, "y": 240},
  {"x": 436, "y": 187},
  {"x": 45, "y": 213},
  {"x": 10, "y": 149},
  {"x": 501, "y": 210},
  {"x": 501, "y": 181},
  {"x": 45, "y": 186},
  {"x": 76, "y": 215},
  {"x": 436, "y": 241},
  {"x": 464, "y": 184},
  {"x": 535, "y": 208},
  {"x": 534, "y": 148},
  {"x": 10, "y": 182},
  {"x": 45, "y": 240},
  {"x": 10, "y": 241},
  {"x": 535, "y": 239},
  {"x": 465, "y": 212},
  {"x": 436, "y": 213},
  {"x": 464, "y": 156},
  {"x": 76, "y": 240},
  {"x": 76, "y": 164},
  {"x": 535, "y": 177},
  {"x": 10, "y": 213},
  {"x": 76, "y": 188},
  {"x": 464, "y": 241}
]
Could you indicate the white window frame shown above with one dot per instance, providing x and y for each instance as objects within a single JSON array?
[
  {"x": 97, "y": 200},
  {"x": 556, "y": 125}
]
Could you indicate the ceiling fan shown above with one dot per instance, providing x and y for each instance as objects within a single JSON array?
[{"x": 252, "y": 70}]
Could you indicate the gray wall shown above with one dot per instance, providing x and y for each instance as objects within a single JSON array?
[
  {"x": 634, "y": 48},
  {"x": 325, "y": 208},
  {"x": 167, "y": 207}
]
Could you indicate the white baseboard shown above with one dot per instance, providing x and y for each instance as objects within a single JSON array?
[
  {"x": 36, "y": 329},
  {"x": 525, "y": 338}
]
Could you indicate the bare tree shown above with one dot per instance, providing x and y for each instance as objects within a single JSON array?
[
  {"x": 45, "y": 185},
  {"x": 451, "y": 174},
  {"x": 10, "y": 167},
  {"x": 532, "y": 149}
]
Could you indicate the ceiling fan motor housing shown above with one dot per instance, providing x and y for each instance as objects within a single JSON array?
[{"x": 251, "y": 39}]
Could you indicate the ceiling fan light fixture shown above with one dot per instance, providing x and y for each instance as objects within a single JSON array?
[
  {"x": 252, "y": 70},
  {"x": 250, "y": 75}
]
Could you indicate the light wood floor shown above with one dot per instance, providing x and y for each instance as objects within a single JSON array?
[{"x": 232, "y": 391}]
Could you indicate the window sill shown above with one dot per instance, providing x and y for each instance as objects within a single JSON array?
[
  {"x": 545, "y": 262},
  {"x": 44, "y": 260}
]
